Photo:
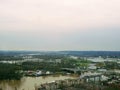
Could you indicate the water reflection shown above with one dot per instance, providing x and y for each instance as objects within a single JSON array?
[{"x": 29, "y": 83}]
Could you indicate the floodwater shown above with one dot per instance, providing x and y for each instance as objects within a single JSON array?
[{"x": 29, "y": 83}]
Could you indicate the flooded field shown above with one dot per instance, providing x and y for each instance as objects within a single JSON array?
[{"x": 29, "y": 83}]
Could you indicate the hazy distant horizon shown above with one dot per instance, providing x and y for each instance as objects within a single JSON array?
[
  {"x": 61, "y": 50},
  {"x": 57, "y": 25}
]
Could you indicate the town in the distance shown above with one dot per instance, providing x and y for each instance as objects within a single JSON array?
[{"x": 60, "y": 70}]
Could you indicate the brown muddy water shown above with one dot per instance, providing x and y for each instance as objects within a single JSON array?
[{"x": 29, "y": 83}]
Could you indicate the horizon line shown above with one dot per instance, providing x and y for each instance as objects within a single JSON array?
[{"x": 63, "y": 50}]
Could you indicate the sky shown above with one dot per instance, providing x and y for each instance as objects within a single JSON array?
[{"x": 60, "y": 25}]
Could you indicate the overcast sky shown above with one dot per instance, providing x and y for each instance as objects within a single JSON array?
[{"x": 60, "y": 25}]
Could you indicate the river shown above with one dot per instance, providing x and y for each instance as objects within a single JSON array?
[{"x": 29, "y": 83}]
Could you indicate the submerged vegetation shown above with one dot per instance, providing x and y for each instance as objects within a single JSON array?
[
  {"x": 50, "y": 63},
  {"x": 17, "y": 66}
]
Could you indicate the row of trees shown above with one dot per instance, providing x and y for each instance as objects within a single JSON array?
[
  {"x": 9, "y": 71},
  {"x": 49, "y": 66}
]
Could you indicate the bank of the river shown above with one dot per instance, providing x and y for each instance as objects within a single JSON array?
[{"x": 29, "y": 83}]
